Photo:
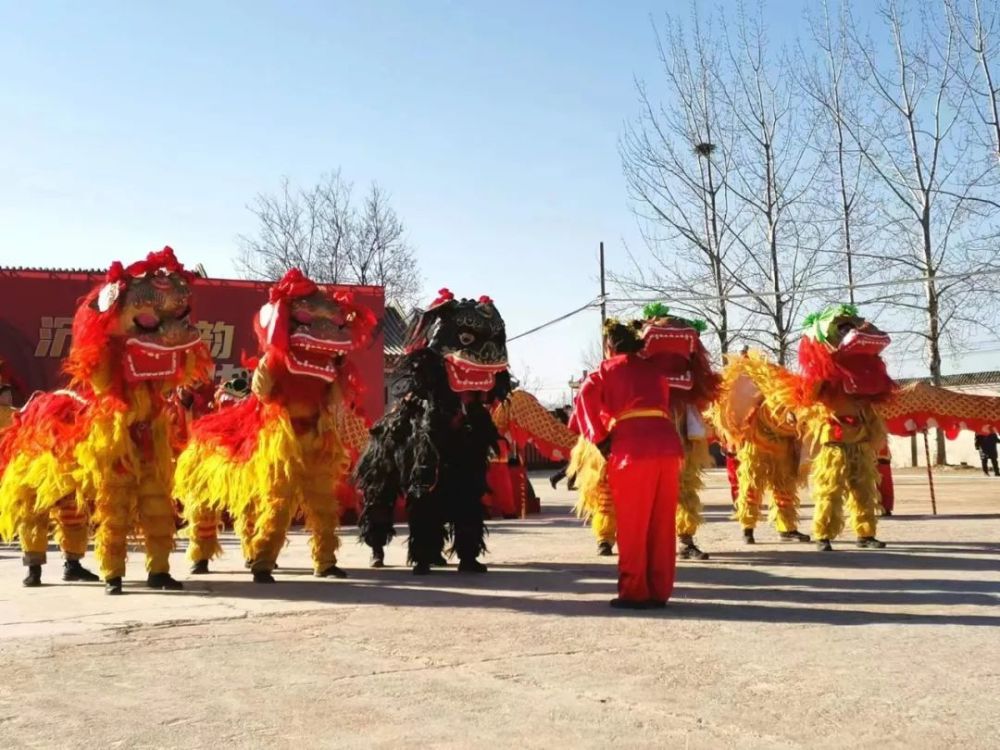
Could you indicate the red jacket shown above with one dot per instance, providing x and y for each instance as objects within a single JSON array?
[{"x": 615, "y": 400}]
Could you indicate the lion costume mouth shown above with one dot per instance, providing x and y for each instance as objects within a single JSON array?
[
  {"x": 146, "y": 361},
  {"x": 666, "y": 338},
  {"x": 858, "y": 358},
  {"x": 466, "y": 375},
  {"x": 316, "y": 357}
]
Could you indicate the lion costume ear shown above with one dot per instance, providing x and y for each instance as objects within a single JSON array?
[{"x": 419, "y": 333}]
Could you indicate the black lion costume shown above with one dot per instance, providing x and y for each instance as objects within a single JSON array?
[{"x": 433, "y": 447}]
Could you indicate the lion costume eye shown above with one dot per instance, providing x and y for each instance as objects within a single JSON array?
[
  {"x": 466, "y": 338},
  {"x": 303, "y": 316}
]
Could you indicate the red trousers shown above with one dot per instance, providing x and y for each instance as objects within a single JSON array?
[
  {"x": 885, "y": 487},
  {"x": 500, "y": 496},
  {"x": 645, "y": 494},
  {"x": 732, "y": 465}
]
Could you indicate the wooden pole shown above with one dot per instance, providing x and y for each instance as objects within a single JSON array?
[
  {"x": 604, "y": 307},
  {"x": 930, "y": 474}
]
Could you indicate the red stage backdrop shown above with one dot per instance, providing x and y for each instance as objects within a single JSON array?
[{"x": 36, "y": 313}]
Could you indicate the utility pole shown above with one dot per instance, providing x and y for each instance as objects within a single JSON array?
[{"x": 604, "y": 306}]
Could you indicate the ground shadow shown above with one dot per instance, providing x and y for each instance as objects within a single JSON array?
[{"x": 703, "y": 591}]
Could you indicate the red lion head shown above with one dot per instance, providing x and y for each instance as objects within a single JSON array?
[{"x": 137, "y": 327}]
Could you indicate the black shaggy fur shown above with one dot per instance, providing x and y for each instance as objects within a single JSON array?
[{"x": 433, "y": 449}]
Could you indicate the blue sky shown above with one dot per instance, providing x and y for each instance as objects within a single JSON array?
[{"x": 126, "y": 126}]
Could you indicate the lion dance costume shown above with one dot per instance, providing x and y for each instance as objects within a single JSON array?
[
  {"x": 842, "y": 378},
  {"x": 279, "y": 450},
  {"x": 433, "y": 447},
  {"x": 674, "y": 345},
  {"x": 756, "y": 412},
  {"x": 101, "y": 453}
]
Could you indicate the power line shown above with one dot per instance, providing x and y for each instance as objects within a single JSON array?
[
  {"x": 810, "y": 290},
  {"x": 561, "y": 318}
]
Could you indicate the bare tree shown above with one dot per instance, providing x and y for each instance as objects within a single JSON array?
[
  {"x": 321, "y": 231},
  {"x": 676, "y": 158},
  {"x": 980, "y": 36},
  {"x": 773, "y": 177},
  {"x": 914, "y": 141}
]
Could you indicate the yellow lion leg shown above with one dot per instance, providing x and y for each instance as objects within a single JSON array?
[
  {"x": 33, "y": 532},
  {"x": 159, "y": 526},
  {"x": 784, "y": 512},
  {"x": 112, "y": 511},
  {"x": 864, "y": 498},
  {"x": 688, "y": 501},
  {"x": 72, "y": 533},
  {"x": 829, "y": 485},
  {"x": 244, "y": 526},
  {"x": 203, "y": 535},
  {"x": 604, "y": 526},
  {"x": 749, "y": 495},
  {"x": 270, "y": 530},
  {"x": 323, "y": 520}
]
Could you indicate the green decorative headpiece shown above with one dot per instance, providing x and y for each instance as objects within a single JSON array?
[
  {"x": 659, "y": 310},
  {"x": 817, "y": 325}
]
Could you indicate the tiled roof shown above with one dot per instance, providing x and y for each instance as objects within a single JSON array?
[
  {"x": 989, "y": 377},
  {"x": 393, "y": 331},
  {"x": 36, "y": 269}
]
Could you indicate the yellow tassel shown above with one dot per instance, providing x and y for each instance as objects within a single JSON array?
[{"x": 689, "y": 516}]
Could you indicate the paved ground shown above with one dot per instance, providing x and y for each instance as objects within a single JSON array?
[{"x": 774, "y": 646}]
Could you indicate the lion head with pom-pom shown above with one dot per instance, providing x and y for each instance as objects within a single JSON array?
[
  {"x": 675, "y": 344},
  {"x": 840, "y": 353},
  {"x": 306, "y": 333},
  {"x": 136, "y": 327}
]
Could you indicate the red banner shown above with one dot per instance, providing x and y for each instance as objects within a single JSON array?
[{"x": 36, "y": 315}]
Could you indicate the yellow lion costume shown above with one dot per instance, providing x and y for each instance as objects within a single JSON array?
[
  {"x": 842, "y": 379},
  {"x": 281, "y": 450},
  {"x": 755, "y": 412},
  {"x": 101, "y": 453}
]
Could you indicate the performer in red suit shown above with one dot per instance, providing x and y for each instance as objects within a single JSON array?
[{"x": 626, "y": 402}]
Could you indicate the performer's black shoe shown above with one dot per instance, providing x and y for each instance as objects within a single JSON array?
[
  {"x": 886, "y": 512},
  {"x": 869, "y": 542},
  {"x": 823, "y": 545},
  {"x": 163, "y": 582},
  {"x": 690, "y": 550},
  {"x": 471, "y": 566},
  {"x": 378, "y": 557},
  {"x": 748, "y": 537},
  {"x": 332, "y": 572},
  {"x": 656, "y": 604},
  {"x": 554, "y": 480},
  {"x": 248, "y": 564},
  {"x": 421, "y": 569},
  {"x": 200, "y": 568},
  {"x": 618, "y": 603},
  {"x": 794, "y": 536},
  {"x": 263, "y": 576},
  {"x": 605, "y": 549},
  {"x": 441, "y": 562},
  {"x": 113, "y": 586},
  {"x": 34, "y": 577},
  {"x": 74, "y": 571}
]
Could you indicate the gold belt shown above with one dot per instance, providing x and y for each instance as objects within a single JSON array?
[{"x": 638, "y": 414}]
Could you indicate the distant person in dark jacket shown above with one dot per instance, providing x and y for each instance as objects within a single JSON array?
[{"x": 987, "y": 447}]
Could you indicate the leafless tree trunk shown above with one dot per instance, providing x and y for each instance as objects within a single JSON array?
[
  {"x": 676, "y": 158},
  {"x": 322, "y": 232}
]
